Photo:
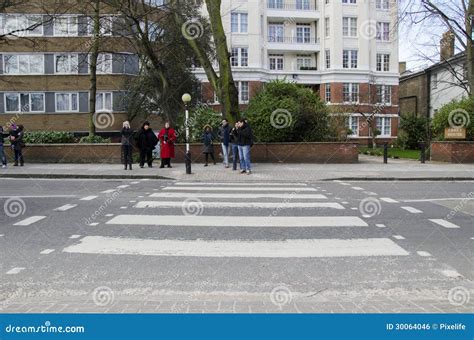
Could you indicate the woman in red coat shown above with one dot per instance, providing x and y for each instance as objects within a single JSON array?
[{"x": 167, "y": 137}]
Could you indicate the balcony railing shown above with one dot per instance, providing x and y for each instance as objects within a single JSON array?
[
  {"x": 293, "y": 40},
  {"x": 291, "y": 6}
]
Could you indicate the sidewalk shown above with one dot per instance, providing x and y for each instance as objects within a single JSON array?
[{"x": 369, "y": 168}]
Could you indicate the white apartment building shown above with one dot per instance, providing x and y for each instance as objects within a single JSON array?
[{"x": 345, "y": 50}]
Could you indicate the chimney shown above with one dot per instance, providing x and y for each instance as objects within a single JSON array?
[
  {"x": 402, "y": 67},
  {"x": 447, "y": 46}
]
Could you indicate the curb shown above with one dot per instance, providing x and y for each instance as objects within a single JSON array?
[
  {"x": 406, "y": 179},
  {"x": 75, "y": 176}
]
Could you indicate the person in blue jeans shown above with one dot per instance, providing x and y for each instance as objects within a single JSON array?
[
  {"x": 234, "y": 147},
  {"x": 3, "y": 157},
  {"x": 245, "y": 142},
  {"x": 224, "y": 136}
]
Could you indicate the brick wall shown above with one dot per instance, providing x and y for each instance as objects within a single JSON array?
[{"x": 452, "y": 152}]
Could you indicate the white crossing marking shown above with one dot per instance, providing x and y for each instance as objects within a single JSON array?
[
  {"x": 47, "y": 251},
  {"x": 423, "y": 253},
  {"x": 279, "y": 205},
  {"x": 66, "y": 207},
  {"x": 442, "y": 199},
  {"x": 88, "y": 198},
  {"x": 30, "y": 220},
  {"x": 109, "y": 215},
  {"x": 134, "y": 182},
  {"x": 250, "y": 184},
  {"x": 398, "y": 237},
  {"x": 380, "y": 225},
  {"x": 123, "y": 186},
  {"x": 38, "y": 196},
  {"x": 240, "y": 221},
  {"x": 358, "y": 188},
  {"x": 344, "y": 184},
  {"x": 123, "y": 208},
  {"x": 1, "y": 235},
  {"x": 75, "y": 236},
  {"x": 233, "y": 189},
  {"x": 451, "y": 273},
  {"x": 388, "y": 200},
  {"x": 412, "y": 210},
  {"x": 93, "y": 224},
  {"x": 444, "y": 223},
  {"x": 233, "y": 195},
  {"x": 108, "y": 191},
  {"x": 15, "y": 270},
  {"x": 266, "y": 249}
]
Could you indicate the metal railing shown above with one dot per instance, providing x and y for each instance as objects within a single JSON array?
[
  {"x": 292, "y": 6},
  {"x": 293, "y": 40}
]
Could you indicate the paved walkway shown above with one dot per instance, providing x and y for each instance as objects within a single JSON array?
[{"x": 369, "y": 168}]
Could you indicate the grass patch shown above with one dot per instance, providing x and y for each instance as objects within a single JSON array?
[{"x": 392, "y": 152}]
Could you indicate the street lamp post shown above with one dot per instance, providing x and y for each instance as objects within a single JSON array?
[{"x": 187, "y": 157}]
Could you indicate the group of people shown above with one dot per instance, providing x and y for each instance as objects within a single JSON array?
[
  {"x": 237, "y": 139},
  {"x": 15, "y": 136}
]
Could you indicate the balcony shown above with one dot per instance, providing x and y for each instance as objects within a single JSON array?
[
  {"x": 299, "y": 10},
  {"x": 293, "y": 44}
]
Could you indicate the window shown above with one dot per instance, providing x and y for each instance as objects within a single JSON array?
[
  {"x": 434, "y": 80},
  {"x": 105, "y": 24},
  {"x": 275, "y": 4},
  {"x": 327, "y": 2},
  {"x": 275, "y": 32},
  {"x": 243, "y": 87},
  {"x": 350, "y": 92},
  {"x": 24, "y": 102},
  {"x": 383, "y": 62},
  {"x": 239, "y": 22},
  {"x": 276, "y": 62},
  {"x": 239, "y": 56},
  {"x": 349, "y": 27},
  {"x": 353, "y": 124},
  {"x": 302, "y": 4},
  {"x": 383, "y": 31},
  {"x": 66, "y": 63},
  {"x": 303, "y": 33},
  {"x": 303, "y": 60},
  {"x": 104, "y": 63},
  {"x": 327, "y": 27},
  {"x": 384, "y": 125},
  {"x": 349, "y": 1},
  {"x": 67, "y": 102},
  {"x": 384, "y": 94},
  {"x": 23, "y": 25},
  {"x": 103, "y": 101},
  {"x": 327, "y": 94},
  {"x": 328, "y": 58},
  {"x": 23, "y": 64},
  {"x": 382, "y": 4},
  {"x": 349, "y": 58},
  {"x": 65, "y": 26}
]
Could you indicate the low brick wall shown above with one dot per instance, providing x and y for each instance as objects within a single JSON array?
[
  {"x": 272, "y": 152},
  {"x": 452, "y": 152}
]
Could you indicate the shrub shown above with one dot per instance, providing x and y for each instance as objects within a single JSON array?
[
  {"x": 287, "y": 112},
  {"x": 456, "y": 113},
  {"x": 48, "y": 137},
  {"x": 94, "y": 139},
  {"x": 413, "y": 130},
  {"x": 198, "y": 118}
]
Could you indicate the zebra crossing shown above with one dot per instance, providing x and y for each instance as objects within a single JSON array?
[{"x": 242, "y": 206}]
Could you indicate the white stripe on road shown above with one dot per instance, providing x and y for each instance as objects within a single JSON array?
[
  {"x": 38, "y": 196},
  {"x": 412, "y": 210},
  {"x": 93, "y": 224},
  {"x": 88, "y": 198},
  {"x": 423, "y": 253},
  {"x": 15, "y": 270},
  {"x": 75, "y": 236},
  {"x": 47, "y": 251},
  {"x": 108, "y": 191},
  {"x": 66, "y": 207},
  {"x": 398, "y": 237},
  {"x": 30, "y": 220},
  {"x": 444, "y": 223},
  {"x": 388, "y": 200},
  {"x": 380, "y": 225},
  {"x": 1, "y": 235},
  {"x": 258, "y": 249},
  {"x": 441, "y": 199},
  {"x": 357, "y": 188},
  {"x": 250, "y": 184},
  {"x": 240, "y": 221},
  {"x": 232, "y": 195},
  {"x": 123, "y": 186},
  {"x": 278, "y": 205},
  {"x": 254, "y": 188}
]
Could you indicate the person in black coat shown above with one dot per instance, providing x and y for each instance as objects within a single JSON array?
[
  {"x": 3, "y": 157},
  {"x": 245, "y": 142},
  {"x": 17, "y": 144},
  {"x": 147, "y": 141},
  {"x": 127, "y": 145},
  {"x": 208, "y": 144}
]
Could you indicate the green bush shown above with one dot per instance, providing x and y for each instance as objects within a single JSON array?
[
  {"x": 413, "y": 130},
  {"x": 94, "y": 140},
  {"x": 457, "y": 113},
  {"x": 198, "y": 118},
  {"x": 48, "y": 137},
  {"x": 287, "y": 112}
]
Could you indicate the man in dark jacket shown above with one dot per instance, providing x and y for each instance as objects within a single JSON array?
[
  {"x": 3, "y": 157},
  {"x": 245, "y": 142},
  {"x": 17, "y": 144},
  {"x": 147, "y": 141},
  {"x": 234, "y": 146},
  {"x": 224, "y": 137}
]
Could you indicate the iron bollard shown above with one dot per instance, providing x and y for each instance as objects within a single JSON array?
[
  {"x": 385, "y": 153},
  {"x": 423, "y": 153},
  {"x": 187, "y": 161}
]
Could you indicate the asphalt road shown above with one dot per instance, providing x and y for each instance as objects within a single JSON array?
[{"x": 166, "y": 246}]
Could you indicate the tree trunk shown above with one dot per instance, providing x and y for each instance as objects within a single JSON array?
[
  {"x": 470, "y": 47},
  {"x": 93, "y": 67}
]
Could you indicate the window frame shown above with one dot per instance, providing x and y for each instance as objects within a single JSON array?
[
  {"x": 69, "y": 33},
  {"x": 70, "y": 94},
  {"x": 352, "y": 60},
  {"x": 351, "y": 93},
  {"x": 104, "y": 95},
  {"x": 382, "y": 126},
  {"x": 18, "y": 57},
  {"x": 70, "y": 66},
  {"x": 239, "y": 22},
  {"x": 351, "y": 30},
  {"x": 20, "y": 106}
]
